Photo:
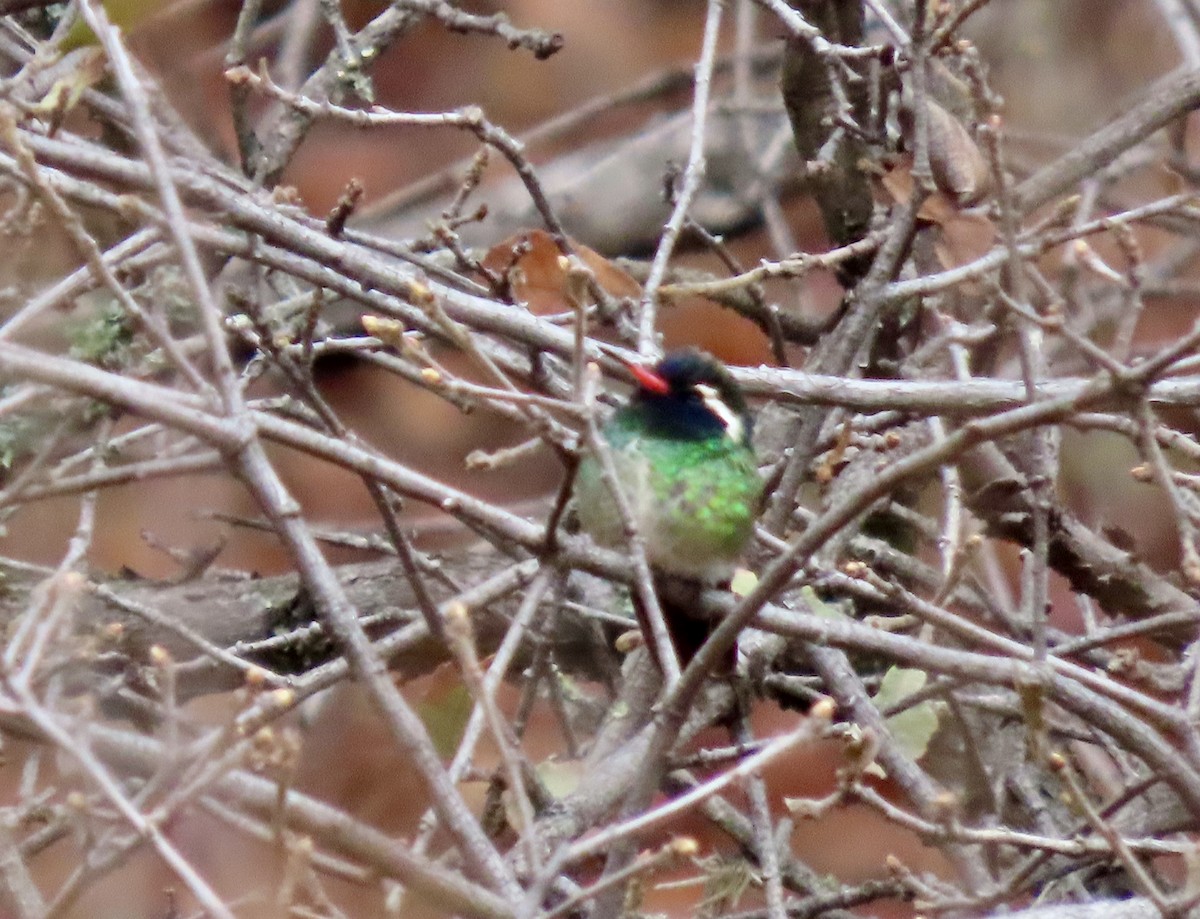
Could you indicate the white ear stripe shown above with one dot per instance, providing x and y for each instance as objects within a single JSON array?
[{"x": 734, "y": 429}]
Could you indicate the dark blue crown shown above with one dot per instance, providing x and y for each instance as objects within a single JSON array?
[{"x": 680, "y": 413}]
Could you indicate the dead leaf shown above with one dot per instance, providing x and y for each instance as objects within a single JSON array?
[
  {"x": 964, "y": 236},
  {"x": 959, "y": 168},
  {"x": 530, "y": 261}
]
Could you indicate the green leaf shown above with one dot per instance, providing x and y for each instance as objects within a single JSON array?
[
  {"x": 87, "y": 69},
  {"x": 16, "y": 439},
  {"x": 819, "y": 607},
  {"x": 106, "y": 339},
  {"x": 913, "y": 728},
  {"x": 560, "y": 777},
  {"x": 127, "y": 14},
  {"x": 445, "y": 718},
  {"x": 744, "y": 581},
  {"x": 898, "y": 684}
]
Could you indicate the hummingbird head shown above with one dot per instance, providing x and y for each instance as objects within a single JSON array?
[{"x": 689, "y": 395}]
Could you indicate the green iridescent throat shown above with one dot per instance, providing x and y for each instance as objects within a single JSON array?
[{"x": 693, "y": 499}]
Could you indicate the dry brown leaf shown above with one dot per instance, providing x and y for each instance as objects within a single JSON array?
[
  {"x": 963, "y": 235},
  {"x": 539, "y": 279},
  {"x": 959, "y": 168}
]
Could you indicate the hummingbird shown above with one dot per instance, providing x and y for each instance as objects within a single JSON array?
[{"x": 682, "y": 453}]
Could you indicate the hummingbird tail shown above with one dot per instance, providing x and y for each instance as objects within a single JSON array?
[{"x": 678, "y": 598}]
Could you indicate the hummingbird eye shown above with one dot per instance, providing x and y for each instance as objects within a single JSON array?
[{"x": 734, "y": 429}]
